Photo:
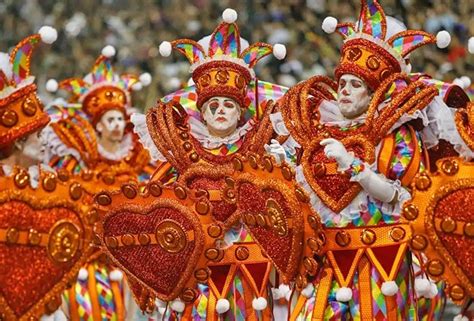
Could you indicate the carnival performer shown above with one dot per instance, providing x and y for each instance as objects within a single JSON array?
[
  {"x": 199, "y": 144},
  {"x": 357, "y": 151},
  {"x": 97, "y": 136},
  {"x": 92, "y": 138},
  {"x": 33, "y": 273}
]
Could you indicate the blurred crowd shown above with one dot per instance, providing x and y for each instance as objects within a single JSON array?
[{"x": 136, "y": 28}]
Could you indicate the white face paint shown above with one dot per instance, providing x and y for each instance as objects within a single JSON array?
[
  {"x": 221, "y": 115},
  {"x": 33, "y": 147},
  {"x": 352, "y": 96},
  {"x": 111, "y": 126}
]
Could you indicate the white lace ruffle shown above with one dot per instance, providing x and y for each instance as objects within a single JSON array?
[
  {"x": 199, "y": 131},
  {"x": 441, "y": 125},
  {"x": 141, "y": 129},
  {"x": 356, "y": 207},
  {"x": 56, "y": 147},
  {"x": 126, "y": 145}
]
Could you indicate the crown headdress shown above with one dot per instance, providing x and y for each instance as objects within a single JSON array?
[
  {"x": 21, "y": 111},
  {"x": 367, "y": 54},
  {"x": 225, "y": 69}
]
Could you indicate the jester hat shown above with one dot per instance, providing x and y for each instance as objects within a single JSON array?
[
  {"x": 367, "y": 54},
  {"x": 21, "y": 111},
  {"x": 224, "y": 70}
]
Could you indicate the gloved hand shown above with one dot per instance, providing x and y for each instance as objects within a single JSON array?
[
  {"x": 276, "y": 150},
  {"x": 335, "y": 149}
]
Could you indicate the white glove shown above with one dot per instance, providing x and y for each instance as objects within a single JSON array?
[
  {"x": 335, "y": 149},
  {"x": 276, "y": 150},
  {"x": 375, "y": 185}
]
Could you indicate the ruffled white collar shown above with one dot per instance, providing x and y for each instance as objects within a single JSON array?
[
  {"x": 199, "y": 131},
  {"x": 126, "y": 146}
]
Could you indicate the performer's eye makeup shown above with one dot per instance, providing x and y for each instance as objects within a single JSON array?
[
  {"x": 214, "y": 104},
  {"x": 228, "y": 104},
  {"x": 356, "y": 84},
  {"x": 342, "y": 84}
]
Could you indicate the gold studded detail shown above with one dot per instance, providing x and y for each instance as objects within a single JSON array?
[
  {"x": 313, "y": 222},
  {"x": 313, "y": 244},
  {"x": 319, "y": 169},
  {"x": 188, "y": 295},
  {"x": 343, "y": 239},
  {"x": 301, "y": 195},
  {"x": 450, "y": 167},
  {"x": 75, "y": 191},
  {"x": 144, "y": 239},
  {"x": 129, "y": 191},
  {"x": 423, "y": 182},
  {"x": 103, "y": 199},
  {"x": 111, "y": 242},
  {"x": 268, "y": 164},
  {"x": 237, "y": 163},
  {"x": 469, "y": 229},
  {"x": 253, "y": 162},
  {"x": 180, "y": 192},
  {"x": 34, "y": 237},
  {"x": 155, "y": 189},
  {"x": 29, "y": 107},
  {"x": 214, "y": 231},
  {"x": 22, "y": 179},
  {"x": 202, "y": 207},
  {"x": 12, "y": 235},
  {"x": 419, "y": 242},
  {"x": 194, "y": 157},
  {"x": 9, "y": 118},
  {"x": 128, "y": 240},
  {"x": 448, "y": 225},
  {"x": 49, "y": 183},
  {"x": 368, "y": 236},
  {"x": 212, "y": 254},
  {"x": 410, "y": 212},
  {"x": 287, "y": 173},
  {"x": 201, "y": 275},
  {"x": 63, "y": 175},
  {"x": 397, "y": 233},
  {"x": 457, "y": 293},
  {"x": 435, "y": 268},
  {"x": 242, "y": 253},
  {"x": 310, "y": 265}
]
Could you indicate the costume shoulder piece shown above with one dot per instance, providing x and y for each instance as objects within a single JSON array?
[{"x": 46, "y": 231}]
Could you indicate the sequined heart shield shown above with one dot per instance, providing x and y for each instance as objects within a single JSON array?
[
  {"x": 274, "y": 209},
  {"x": 44, "y": 240},
  {"x": 442, "y": 218}
]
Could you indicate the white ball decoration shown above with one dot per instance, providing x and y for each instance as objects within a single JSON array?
[
  {"x": 116, "y": 275},
  {"x": 344, "y": 294},
  {"x": 470, "y": 45},
  {"x": 145, "y": 79},
  {"x": 222, "y": 306},
  {"x": 165, "y": 48},
  {"x": 389, "y": 288},
  {"x": 422, "y": 286},
  {"x": 279, "y": 51},
  {"x": 466, "y": 81},
  {"x": 48, "y": 34},
  {"x": 308, "y": 291},
  {"x": 259, "y": 303},
  {"x": 108, "y": 51},
  {"x": 329, "y": 25},
  {"x": 177, "y": 305},
  {"x": 443, "y": 39},
  {"x": 229, "y": 15},
  {"x": 52, "y": 85},
  {"x": 83, "y": 274}
]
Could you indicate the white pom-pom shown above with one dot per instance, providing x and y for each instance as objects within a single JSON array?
[
  {"x": 389, "y": 288},
  {"x": 422, "y": 286},
  {"x": 329, "y": 24},
  {"x": 52, "y": 85},
  {"x": 82, "y": 275},
  {"x": 116, "y": 275},
  {"x": 177, "y": 305},
  {"x": 460, "y": 317},
  {"x": 470, "y": 45},
  {"x": 344, "y": 294},
  {"x": 276, "y": 294},
  {"x": 229, "y": 15},
  {"x": 458, "y": 82},
  {"x": 466, "y": 81},
  {"x": 108, "y": 51},
  {"x": 165, "y": 48},
  {"x": 137, "y": 86},
  {"x": 432, "y": 292},
  {"x": 279, "y": 51},
  {"x": 48, "y": 34},
  {"x": 259, "y": 303},
  {"x": 308, "y": 291},
  {"x": 443, "y": 39},
  {"x": 222, "y": 306},
  {"x": 285, "y": 291},
  {"x": 145, "y": 79}
]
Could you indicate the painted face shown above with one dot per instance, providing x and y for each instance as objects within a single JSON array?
[
  {"x": 352, "y": 96},
  {"x": 221, "y": 115},
  {"x": 111, "y": 126},
  {"x": 33, "y": 147}
]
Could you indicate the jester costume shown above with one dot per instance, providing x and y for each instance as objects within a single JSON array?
[
  {"x": 175, "y": 134},
  {"x": 44, "y": 235},
  {"x": 100, "y": 292},
  {"x": 367, "y": 271}
]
